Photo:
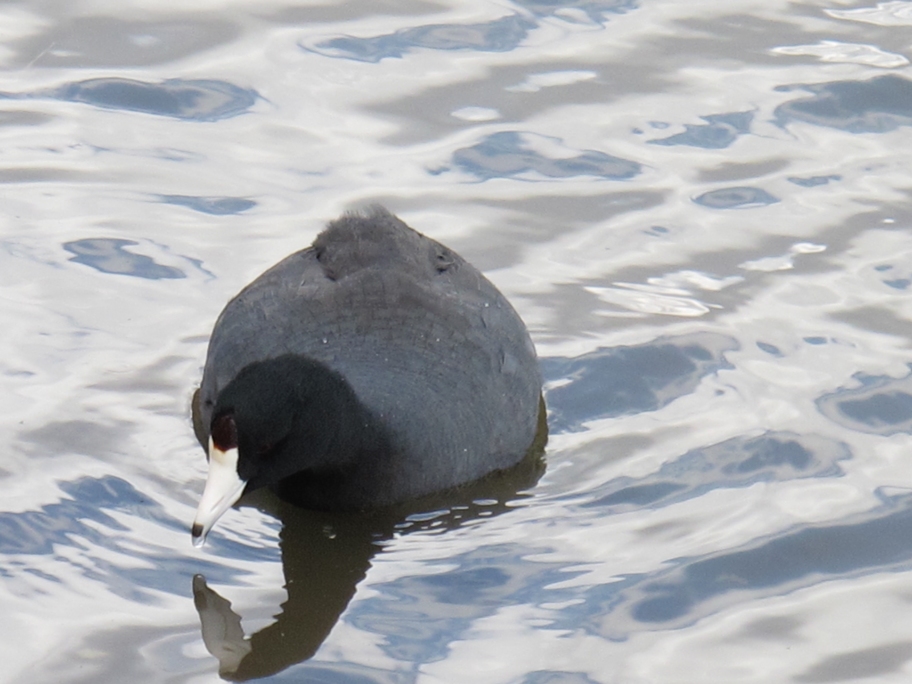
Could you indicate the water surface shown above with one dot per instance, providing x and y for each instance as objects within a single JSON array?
[{"x": 703, "y": 212}]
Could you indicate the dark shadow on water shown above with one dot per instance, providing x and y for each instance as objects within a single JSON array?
[{"x": 326, "y": 555}]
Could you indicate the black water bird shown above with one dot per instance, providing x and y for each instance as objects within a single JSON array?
[{"x": 371, "y": 368}]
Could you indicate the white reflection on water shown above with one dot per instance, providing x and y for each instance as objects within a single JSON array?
[{"x": 702, "y": 211}]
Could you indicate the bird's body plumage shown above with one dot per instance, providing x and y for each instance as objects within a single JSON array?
[{"x": 429, "y": 347}]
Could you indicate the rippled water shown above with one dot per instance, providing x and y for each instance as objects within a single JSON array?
[{"x": 701, "y": 209}]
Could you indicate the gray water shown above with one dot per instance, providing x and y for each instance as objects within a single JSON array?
[{"x": 701, "y": 209}]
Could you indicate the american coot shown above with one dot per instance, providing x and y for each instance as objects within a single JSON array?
[{"x": 373, "y": 367}]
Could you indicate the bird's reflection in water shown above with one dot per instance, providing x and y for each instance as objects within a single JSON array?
[{"x": 325, "y": 555}]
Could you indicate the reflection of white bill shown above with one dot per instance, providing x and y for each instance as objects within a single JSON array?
[{"x": 221, "y": 627}]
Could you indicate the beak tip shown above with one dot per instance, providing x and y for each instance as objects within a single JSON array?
[
  {"x": 223, "y": 488},
  {"x": 198, "y": 534}
]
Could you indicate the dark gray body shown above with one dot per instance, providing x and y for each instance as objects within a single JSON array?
[{"x": 427, "y": 343}]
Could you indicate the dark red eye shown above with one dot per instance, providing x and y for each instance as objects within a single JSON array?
[{"x": 224, "y": 432}]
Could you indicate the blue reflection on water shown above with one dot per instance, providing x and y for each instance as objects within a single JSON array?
[
  {"x": 595, "y": 10},
  {"x": 557, "y": 677},
  {"x": 420, "y": 615},
  {"x": 82, "y": 523},
  {"x": 877, "y": 105},
  {"x": 109, "y": 256},
  {"x": 507, "y": 155},
  {"x": 36, "y": 532},
  {"x": 625, "y": 380},
  {"x": 736, "y": 198},
  {"x": 798, "y": 557},
  {"x": 217, "y": 206},
  {"x": 770, "y": 349},
  {"x": 897, "y": 282},
  {"x": 500, "y": 35},
  {"x": 322, "y": 672},
  {"x": 737, "y": 462},
  {"x": 194, "y": 100},
  {"x": 413, "y": 626},
  {"x": 882, "y": 405},
  {"x": 875, "y": 542},
  {"x": 719, "y": 131},
  {"x": 813, "y": 181},
  {"x": 475, "y": 586}
]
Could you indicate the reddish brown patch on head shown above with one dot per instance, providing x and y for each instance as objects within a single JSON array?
[{"x": 224, "y": 432}]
